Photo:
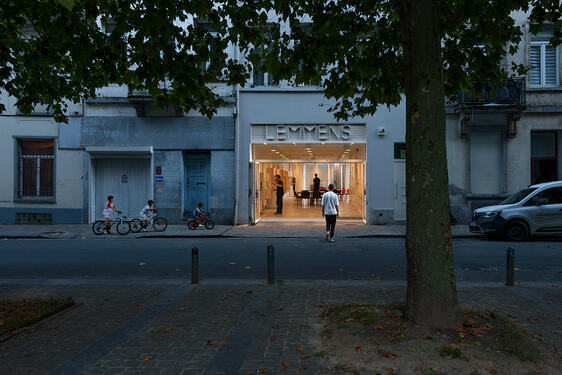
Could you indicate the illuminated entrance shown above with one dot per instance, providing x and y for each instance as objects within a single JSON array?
[{"x": 338, "y": 163}]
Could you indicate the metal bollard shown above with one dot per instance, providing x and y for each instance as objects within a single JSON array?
[
  {"x": 270, "y": 265},
  {"x": 510, "y": 266},
  {"x": 195, "y": 265}
]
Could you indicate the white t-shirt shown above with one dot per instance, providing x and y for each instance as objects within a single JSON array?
[
  {"x": 329, "y": 203},
  {"x": 145, "y": 211},
  {"x": 108, "y": 209}
]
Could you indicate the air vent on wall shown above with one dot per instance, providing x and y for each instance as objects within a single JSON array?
[{"x": 33, "y": 218}]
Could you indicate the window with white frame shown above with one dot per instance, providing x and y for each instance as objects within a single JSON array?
[
  {"x": 36, "y": 168},
  {"x": 544, "y": 59}
]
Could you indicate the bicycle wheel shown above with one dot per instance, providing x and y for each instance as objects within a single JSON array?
[
  {"x": 192, "y": 224},
  {"x": 123, "y": 227},
  {"x": 160, "y": 224},
  {"x": 98, "y": 227},
  {"x": 209, "y": 224},
  {"x": 136, "y": 225}
]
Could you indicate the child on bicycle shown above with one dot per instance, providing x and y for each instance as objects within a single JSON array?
[
  {"x": 107, "y": 211},
  {"x": 145, "y": 214},
  {"x": 198, "y": 213}
]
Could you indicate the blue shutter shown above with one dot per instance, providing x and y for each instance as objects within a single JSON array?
[
  {"x": 535, "y": 72},
  {"x": 550, "y": 65}
]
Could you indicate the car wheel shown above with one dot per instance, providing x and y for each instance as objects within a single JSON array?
[{"x": 517, "y": 231}]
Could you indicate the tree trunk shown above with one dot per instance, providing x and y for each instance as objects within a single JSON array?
[{"x": 431, "y": 294}]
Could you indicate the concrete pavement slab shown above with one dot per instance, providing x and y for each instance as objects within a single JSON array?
[{"x": 223, "y": 327}]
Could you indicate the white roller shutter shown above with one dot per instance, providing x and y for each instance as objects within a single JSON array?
[{"x": 131, "y": 193}]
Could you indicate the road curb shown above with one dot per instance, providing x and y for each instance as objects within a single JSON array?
[{"x": 42, "y": 237}]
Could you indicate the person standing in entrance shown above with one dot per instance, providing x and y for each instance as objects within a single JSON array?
[
  {"x": 315, "y": 189},
  {"x": 279, "y": 190},
  {"x": 330, "y": 210}
]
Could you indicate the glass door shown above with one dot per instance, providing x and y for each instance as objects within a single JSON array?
[
  {"x": 364, "y": 200},
  {"x": 254, "y": 193}
]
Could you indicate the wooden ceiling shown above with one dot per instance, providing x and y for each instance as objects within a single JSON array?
[{"x": 309, "y": 151}]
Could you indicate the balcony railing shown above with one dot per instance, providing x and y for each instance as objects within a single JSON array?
[{"x": 510, "y": 93}]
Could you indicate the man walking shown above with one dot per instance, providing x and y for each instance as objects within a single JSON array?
[{"x": 330, "y": 210}]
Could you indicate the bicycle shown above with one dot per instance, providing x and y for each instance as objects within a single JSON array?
[
  {"x": 159, "y": 224},
  {"x": 204, "y": 220},
  {"x": 123, "y": 227}
]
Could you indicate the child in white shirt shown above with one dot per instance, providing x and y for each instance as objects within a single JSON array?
[{"x": 145, "y": 213}]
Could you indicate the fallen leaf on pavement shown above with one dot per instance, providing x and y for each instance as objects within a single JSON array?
[
  {"x": 221, "y": 343},
  {"x": 279, "y": 308},
  {"x": 284, "y": 365},
  {"x": 209, "y": 342},
  {"x": 148, "y": 358},
  {"x": 272, "y": 338},
  {"x": 359, "y": 348},
  {"x": 391, "y": 355},
  {"x": 303, "y": 367},
  {"x": 377, "y": 278},
  {"x": 300, "y": 349}
]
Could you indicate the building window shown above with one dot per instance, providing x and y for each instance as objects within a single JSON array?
[
  {"x": 36, "y": 168},
  {"x": 109, "y": 24},
  {"x": 260, "y": 77},
  {"x": 316, "y": 79},
  {"x": 544, "y": 156},
  {"x": 399, "y": 151},
  {"x": 544, "y": 59},
  {"x": 214, "y": 53}
]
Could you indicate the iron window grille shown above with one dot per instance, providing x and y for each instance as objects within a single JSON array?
[{"x": 36, "y": 169}]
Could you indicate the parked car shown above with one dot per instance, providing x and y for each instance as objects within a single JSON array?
[{"x": 532, "y": 211}]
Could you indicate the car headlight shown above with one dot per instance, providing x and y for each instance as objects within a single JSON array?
[{"x": 492, "y": 213}]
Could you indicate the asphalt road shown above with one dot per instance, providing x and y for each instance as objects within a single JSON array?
[{"x": 476, "y": 260}]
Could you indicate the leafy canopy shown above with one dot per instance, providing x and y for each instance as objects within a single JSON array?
[{"x": 54, "y": 51}]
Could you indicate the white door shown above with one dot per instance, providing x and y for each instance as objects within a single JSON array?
[
  {"x": 128, "y": 180},
  {"x": 399, "y": 190}
]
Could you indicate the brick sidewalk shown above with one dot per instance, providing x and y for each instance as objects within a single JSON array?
[
  {"x": 261, "y": 230},
  {"x": 220, "y": 327}
]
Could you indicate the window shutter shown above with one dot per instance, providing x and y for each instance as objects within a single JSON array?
[
  {"x": 550, "y": 65},
  {"x": 535, "y": 72}
]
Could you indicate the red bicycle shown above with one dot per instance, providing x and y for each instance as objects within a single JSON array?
[{"x": 204, "y": 220}]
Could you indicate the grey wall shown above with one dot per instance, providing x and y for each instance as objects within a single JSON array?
[
  {"x": 168, "y": 196},
  {"x": 197, "y": 133},
  {"x": 169, "y": 136},
  {"x": 60, "y": 215},
  {"x": 222, "y": 187}
]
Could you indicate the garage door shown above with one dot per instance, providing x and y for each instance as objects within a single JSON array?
[{"x": 128, "y": 180}]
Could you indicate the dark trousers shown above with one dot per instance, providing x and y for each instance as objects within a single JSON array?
[
  {"x": 330, "y": 224},
  {"x": 279, "y": 204}
]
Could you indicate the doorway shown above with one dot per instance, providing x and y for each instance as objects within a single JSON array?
[
  {"x": 196, "y": 182},
  {"x": 298, "y": 166}
]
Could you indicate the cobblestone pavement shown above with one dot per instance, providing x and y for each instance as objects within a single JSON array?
[
  {"x": 220, "y": 327},
  {"x": 261, "y": 230}
]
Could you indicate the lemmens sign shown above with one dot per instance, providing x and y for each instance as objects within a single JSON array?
[{"x": 280, "y": 133}]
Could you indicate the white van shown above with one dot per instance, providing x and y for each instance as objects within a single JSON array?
[{"x": 533, "y": 210}]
